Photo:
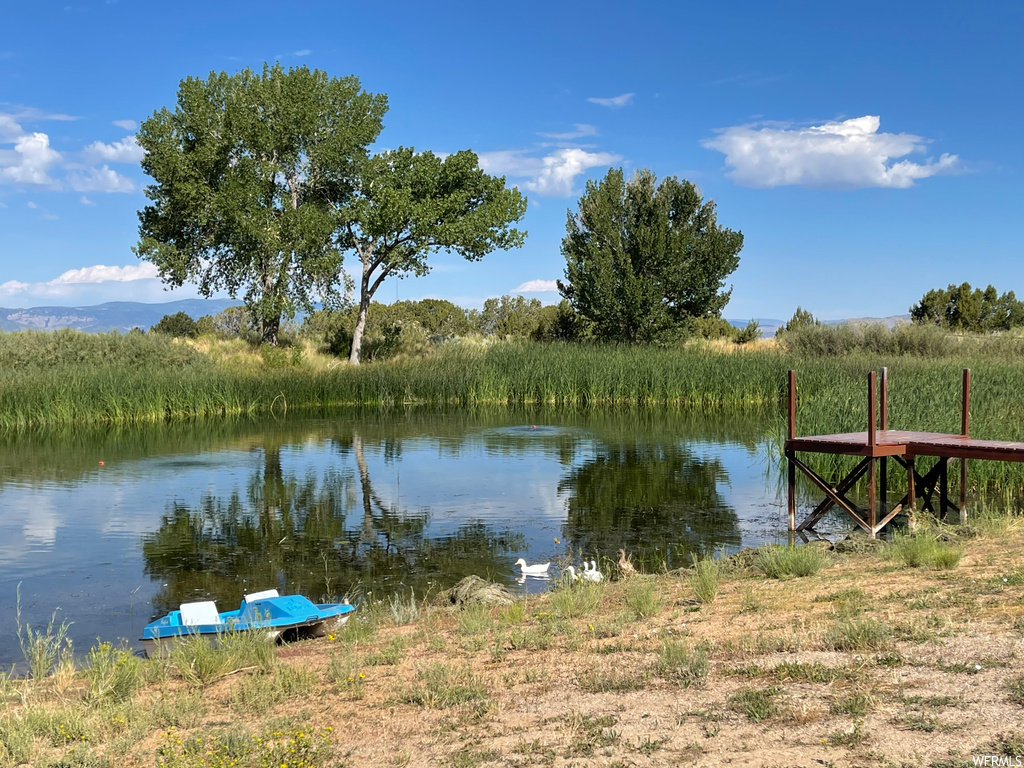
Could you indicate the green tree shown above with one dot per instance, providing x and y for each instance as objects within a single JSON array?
[
  {"x": 510, "y": 316},
  {"x": 249, "y": 171},
  {"x": 407, "y": 205},
  {"x": 179, "y": 325},
  {"x": 801, "y": 319},
  {"x": 963, "y": 308},
  {"x": 642, "y": 258}
]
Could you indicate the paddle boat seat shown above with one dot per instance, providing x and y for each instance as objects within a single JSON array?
[
  {"x": 197, "y": 614},
  {"x": 254, "y": 596}
]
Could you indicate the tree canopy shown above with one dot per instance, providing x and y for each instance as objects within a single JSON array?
[
  {"x": 643, "y": 259},
  {"x": 408, "y": 204},
  {"x": 250, "y": 171},
  {"x": 963, "y": 308}
]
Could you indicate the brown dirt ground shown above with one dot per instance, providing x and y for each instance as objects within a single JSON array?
[{"x": 586, "y": 691}]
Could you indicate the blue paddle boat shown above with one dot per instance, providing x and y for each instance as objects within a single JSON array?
[{"x": 266, "y": 612}]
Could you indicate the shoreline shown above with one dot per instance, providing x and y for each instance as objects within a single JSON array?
[{"x": 865, "y": 662}]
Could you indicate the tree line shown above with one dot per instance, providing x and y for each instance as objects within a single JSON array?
[{"x": 263, "y": 183}]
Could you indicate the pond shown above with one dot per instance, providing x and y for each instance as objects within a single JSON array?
[{"x": 114, "y": 528}]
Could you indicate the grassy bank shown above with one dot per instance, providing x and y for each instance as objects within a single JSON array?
[{"x": 903, "y": 656}]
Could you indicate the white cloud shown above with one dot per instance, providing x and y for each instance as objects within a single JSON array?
[
  {"x": 94, "y": 285},
  {"x": 101, "y": 179},
  {"x": 32, "y": 205},
  {"x": 128, "y": 125},
  {"x": 537, "y": 286},
  {"x": 551, "y": 175},
  {"x": 9, "y": 128},
  {"x": 613, "y": 102},
  {"x": 30, "y": 161},
  {"x": 851, "y": 154},
  {"x": 85, "y": 200},
  {"x": 303, "y": 52},
  {"x": 581, "y": 130},
  {"x": 102, "y": 273},
  {"x": 125, "y": 151}
]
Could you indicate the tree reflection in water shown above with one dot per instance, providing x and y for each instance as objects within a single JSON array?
[
  {"x": 319, "y": 536},
  {"x": 660, "y": 502}
]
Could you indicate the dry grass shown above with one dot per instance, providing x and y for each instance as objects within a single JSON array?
[{"x": 864, "y": 663}]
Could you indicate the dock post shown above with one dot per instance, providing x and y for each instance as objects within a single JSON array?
[
  {"x": 965, "y": 423},
  {"x": 872, "y": 442},
  {"x": 884, "y": 461},
  {"x": 911, "y": 492},
  {"x": 790, "y": 467}
]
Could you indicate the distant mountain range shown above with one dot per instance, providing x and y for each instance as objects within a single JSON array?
[
  {"x": 124, "y": 315},
  {"x": 112, "y": 316}
]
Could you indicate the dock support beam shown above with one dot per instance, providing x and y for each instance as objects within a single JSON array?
[
  {"x": 790, "y": 466},
  {"x": 965, "y": 423},
  {"x": 872, "y": 442}
]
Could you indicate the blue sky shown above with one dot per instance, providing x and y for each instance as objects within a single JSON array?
[{"x": 868, "y": 152}]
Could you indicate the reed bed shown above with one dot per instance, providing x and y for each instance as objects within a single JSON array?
[{"x": 68, "y": 378}]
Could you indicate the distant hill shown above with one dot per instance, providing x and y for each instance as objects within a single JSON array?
[
  {"x": 769, "y": 326},
  {"x": 112, "y": 316}
]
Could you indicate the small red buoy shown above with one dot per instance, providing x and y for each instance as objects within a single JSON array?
[
  {"x": 101, "y": 463},
  {"x": 534, "y": 426}
]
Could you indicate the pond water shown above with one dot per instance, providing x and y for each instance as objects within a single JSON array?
[{"x": 115, "y": 528}]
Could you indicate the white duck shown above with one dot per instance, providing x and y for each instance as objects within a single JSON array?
[
  {"x": 592, "y": 573},
  {"x": 533, "y": 570},
  {"x": 573, "y": 576}
]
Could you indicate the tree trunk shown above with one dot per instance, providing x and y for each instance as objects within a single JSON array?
[
  {"x": 357, "y": 334},
  {"x": 271, "y": 326}
]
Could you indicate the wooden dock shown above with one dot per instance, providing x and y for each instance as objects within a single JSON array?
[{"x": 877, "y": 446}]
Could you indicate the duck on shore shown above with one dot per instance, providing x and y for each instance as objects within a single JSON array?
[{"x": 625, "y": 565}]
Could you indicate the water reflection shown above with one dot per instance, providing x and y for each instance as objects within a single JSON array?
[
  {"x": 322, "y": 536},
  {"x": 662, "y": 503},
  {"x": 372, "y": 501}
]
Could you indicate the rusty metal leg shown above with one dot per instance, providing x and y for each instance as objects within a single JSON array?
[
  {"x": 943, "y": 487},
  {"x": 883, "y": 482},
  {"x": 911, "y": 485},
  {"x": 872, "y": 497},
  {"x": 963, "y": 491},
  {"x": 791, "y": 499}
]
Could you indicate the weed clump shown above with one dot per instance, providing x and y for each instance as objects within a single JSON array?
[
  {"x": 859, "y": 635},
  {"x": 439, "y": 686},
  {"x": 704, "y": 579},
  {"x": 756, "y": 704},
  {"x": 682, "y": 664},
  {"x": 923, "y": 549},
  {"x": 642, "y": 598},
  {"x": 777, "y": 562},
  {"x": 114, "y": 674}
]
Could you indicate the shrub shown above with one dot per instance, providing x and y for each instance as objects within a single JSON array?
[
  {"x": 179, "y": 325},
  {"x": 748, "y": 333},
  {"x": 573, "y": 600},
  {"x": 114, "y": 674},
  {"x": 43, "y": 650}
]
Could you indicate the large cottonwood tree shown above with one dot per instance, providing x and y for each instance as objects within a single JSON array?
[
  {"x": 250, "y": 172},
  {"x": 643, "y": 259},
  {"x": 407, "y": 205}
]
